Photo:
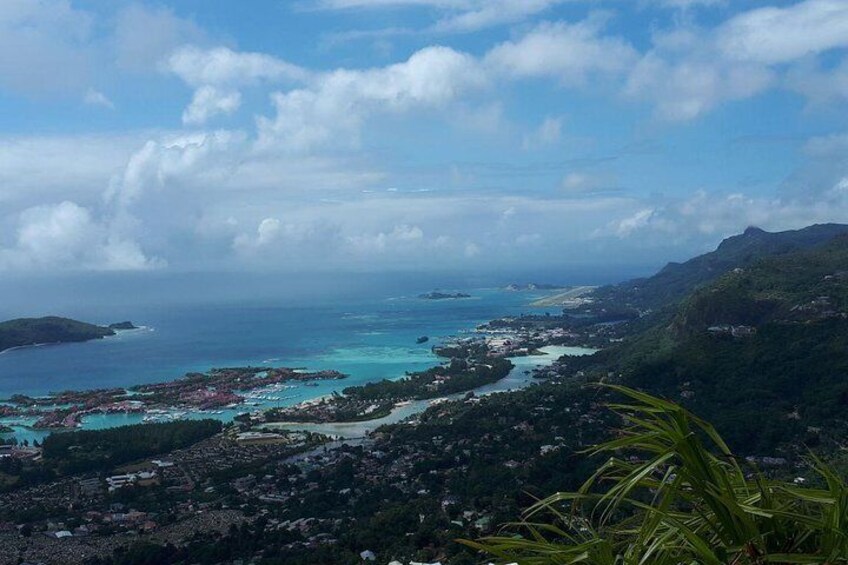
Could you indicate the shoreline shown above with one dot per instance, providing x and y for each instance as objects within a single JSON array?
[
  {"x": 53, "y": 343},
  {"x": 418, "y": 406},
  {"x": 111, "y": 419}
]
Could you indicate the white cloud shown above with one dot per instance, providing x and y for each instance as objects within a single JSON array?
[
  {"x": 267, "y": 232},
  {"x": 452, "y": 16},
  {"x": 217, "y": 75},
  {"x": 223, "y": 67},
  {"x": 37, "y": 169},
  {"x": 65, "y": 236},
  {"x": 685, "y": 77},
  {"x": 334, "y": 106},
  {"x": 209, "y": 101},
  {"x": 97, "y": 98},
  {"x": 569, "y": 52},
  {"x": 687, "y": 89},
  {"x": 491, "y": 13},
  {"x": 402, "y": 236},
  {"x": 706, "y": 217},
  {"x": 773, "y": 35},
  {"x": 158, "y": 162}
]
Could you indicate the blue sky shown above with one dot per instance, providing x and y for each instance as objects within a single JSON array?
[{"x": 412, "y": 134}]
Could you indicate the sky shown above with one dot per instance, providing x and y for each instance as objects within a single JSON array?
[{"x": 366, "y": 135}]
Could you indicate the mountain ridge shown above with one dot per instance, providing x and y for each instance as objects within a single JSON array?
[{"x": 675, "y": 280}]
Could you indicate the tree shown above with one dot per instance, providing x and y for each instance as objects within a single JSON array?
[{"x": 676, "y": 494}]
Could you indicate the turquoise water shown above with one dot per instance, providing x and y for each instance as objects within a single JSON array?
[
  {"x": 520, "y": 377},
  {"x": 368, "y": 338}
]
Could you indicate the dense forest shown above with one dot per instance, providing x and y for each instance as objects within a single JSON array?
[
  {"x": 50, "y": 329},
  {"x": 66, "y": 453},
  {"x": 96, "y": 450}
]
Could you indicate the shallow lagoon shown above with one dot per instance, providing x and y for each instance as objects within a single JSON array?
[
  {"x": 515, "y": 380},
  {"x": 369, "y": 339}
]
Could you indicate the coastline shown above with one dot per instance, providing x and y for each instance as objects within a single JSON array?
[
  {"x": 396, "y": 354},
  {"x": 116, "y": 333},
  {"x": 406, "y": 409}
]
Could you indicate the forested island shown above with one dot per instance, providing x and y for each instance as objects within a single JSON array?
[
  {"x": 438, "y": 295},
  {"x": 23, "y": 332}
]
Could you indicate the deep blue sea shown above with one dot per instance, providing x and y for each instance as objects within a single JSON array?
[{"x": 368, "y": 338}]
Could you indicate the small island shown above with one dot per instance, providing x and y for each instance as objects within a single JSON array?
[
  {"x": 422, "y": 339},
  {"x": 516, "y": 287},
  {"x": 127, "y": 325},
  {"x": 23, "y": 332},
  {"x": 438, "y": 295}
]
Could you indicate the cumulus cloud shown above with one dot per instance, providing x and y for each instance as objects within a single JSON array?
[
  {"x": 333, "y": 107},
  {"x": 773, "y": 35},
  {"x": 209, "y": 101},
  {"x": 689, "y": 71},
  {"x": 217, "y": 74},
  {"x": 685, "y": 78},
  {"x": 705, "y": 217},
  {"x": 568, "y": 52},
  {"x": 172, "y": 157},
  {"x": 401, "y": 237},
  {"x": 66, "y": 236}
]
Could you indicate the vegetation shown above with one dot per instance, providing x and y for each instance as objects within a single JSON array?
[
  {"x": 51, "y": 329},
  {"x": 673, "y": 492},
  {"x": 97, "y": 450},
  {"x": 461, "y": 377},
  {"x": 778, "y": 382},
  {"x": 677, "y": 280}
]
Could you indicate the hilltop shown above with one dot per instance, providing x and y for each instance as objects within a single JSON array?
[
  {"x": 50, "y": 329},
  {"x": 676, "y": 280}
]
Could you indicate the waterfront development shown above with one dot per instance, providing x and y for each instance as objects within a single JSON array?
[
  {"x": 335, "y": 347},
  {"x": 467, "y": 366}
]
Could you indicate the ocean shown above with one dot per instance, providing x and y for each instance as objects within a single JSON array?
[{"x": 367, "y": 337}]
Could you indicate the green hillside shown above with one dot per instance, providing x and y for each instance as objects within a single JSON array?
[
  {"x": 763, "y": 350},
  {"x": 50, "y": 329},
  {"x": 676, "y": 280}
]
